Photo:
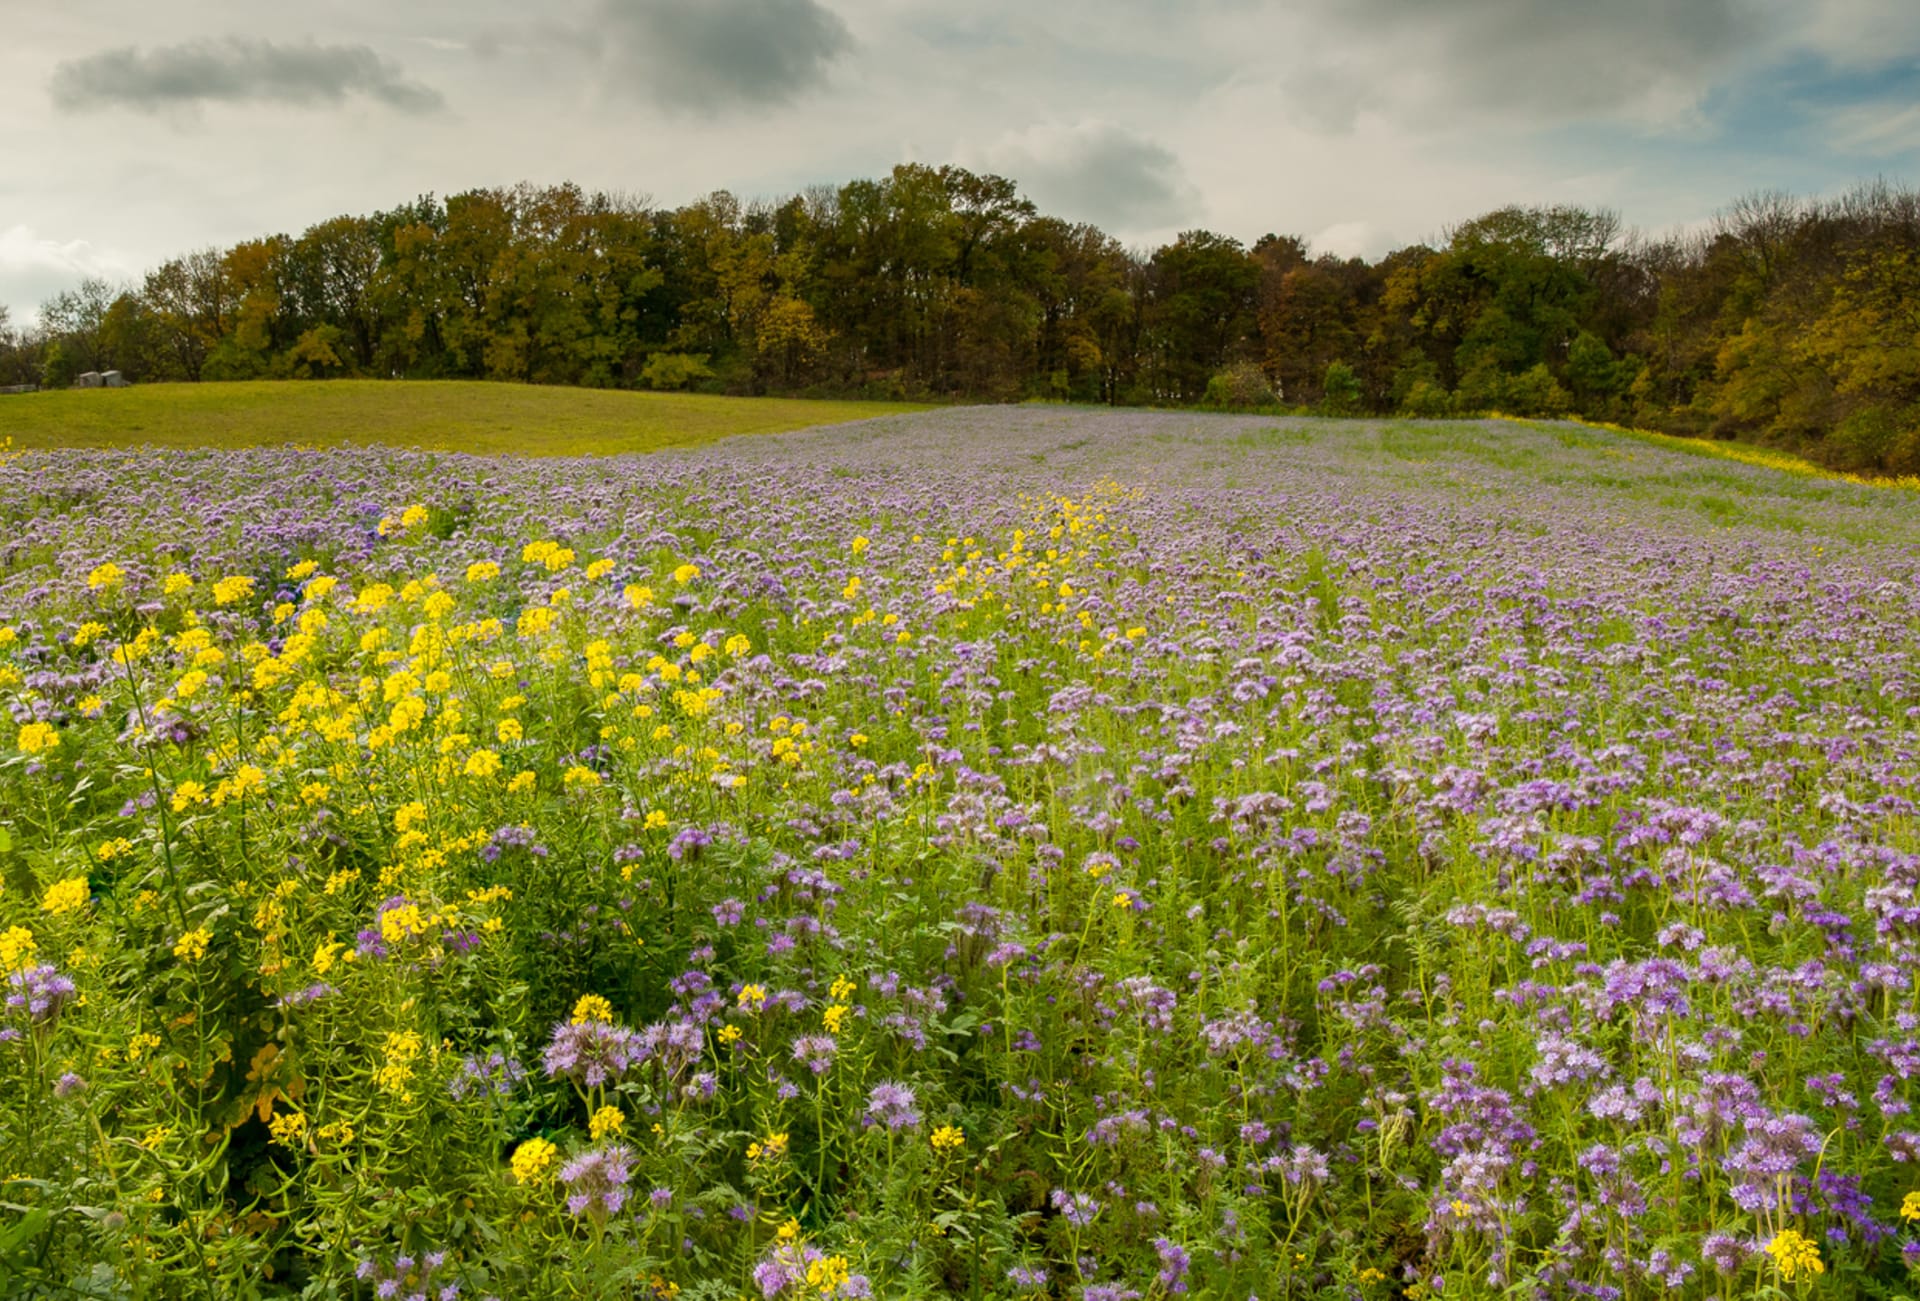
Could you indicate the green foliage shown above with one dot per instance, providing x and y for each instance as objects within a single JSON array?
[
  {"x": 675, "y": 370},
  {"x": 1242, "y": 386},
  {"x": 1340, "y": 390},
  {"x": 1785, "y": 324},
  {"x": 60, "y": 367}
]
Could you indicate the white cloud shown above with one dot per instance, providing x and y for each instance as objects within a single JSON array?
[{"x": 34, "y": 268}]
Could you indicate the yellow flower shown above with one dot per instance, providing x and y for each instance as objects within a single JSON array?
[
  {"x": 234, "y": 587},
  {"x": 482, "y": 763},
  {"x": 37, "y": 738},
  {"x": 154, "y": 1137},
  {"x": 413, "y": 516},
  {"x": 288, "y": 1129},
  {"x": 607, "y": 1120},
  {"x": 789, "y": 1230},
  {"x": 686, "y": 574},
  {"x": 1795, "y": 1254},
  {"x": 827, "y": 1275},
  {"x": 175, "y": 583},
  {"x": 580, "y": 776},
  {"x": 105, "y": 577},
  {"x": 1910, "y": 1206},
  {"x": 482, "y": 571},
  {"x": 192, "y": 946},
  {"x": 834, "y": 1017},
  {"x": 65, "y": 896},
  {"x": 509, "y": 731},
  {"x": 753, "y": 997},
  {"x": 729, "y": 1034},
  {"x": 592, "y": 1007},
  {"x": 655, "y": 820},
  {"x": 858, "y": 545},
  {"x": 772, "y": 1149},
  {"x": 522, "y": 781},
  {"x": 639, "y": 597},
  {"x": 532, "y": 1159},
  {"x": 325, "y": 954},
  {"x": 16, "y": 948},
  {"x": 948, "y": 1138}
]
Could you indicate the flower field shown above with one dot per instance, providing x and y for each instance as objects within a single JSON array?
[{"x": 988, "y": 853}]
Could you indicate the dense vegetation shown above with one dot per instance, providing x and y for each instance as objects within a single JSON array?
[
  {"x": 1791, "y": 323},
  {"x": 1075, "y": 856}
]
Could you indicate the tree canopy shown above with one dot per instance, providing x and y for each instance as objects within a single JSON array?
[{"x": 1791, "y": 322}]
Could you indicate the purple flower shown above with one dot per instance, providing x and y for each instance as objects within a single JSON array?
[
  {"x": 597, "y": 1180},
  {"x": 591, "y": 1053},
  {"x": 892, "y": 1104},
  {"x": 42, "y": 991},
  {"x": 815, "y": 1052}
]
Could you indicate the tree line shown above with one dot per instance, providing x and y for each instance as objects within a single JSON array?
[{"x": 1791, "y": 322}]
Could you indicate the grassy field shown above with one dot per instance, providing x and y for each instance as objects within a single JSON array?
[{"x": 448, "y": 415}]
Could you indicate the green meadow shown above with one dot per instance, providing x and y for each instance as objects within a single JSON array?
[{"x": 442, "y": 415}]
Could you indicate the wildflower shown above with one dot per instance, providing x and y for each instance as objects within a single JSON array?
[
  {"x": 69, "y": 1085},
  {"x": 236, "y": 587},
  {"x": 104, "y": 578},
  {"x": 65, "y": 896},
  {"x": 482, "y": 764},
  {"x": 607, "y": 1120},
  {"x": 771, "y": 1149},
  {"x": 192, "y": 946},
  {"x": 1077, "y": 1209},
  {"x": 532, "y": 1159},
  {"x": 597, "y": 1181},
  {"x": 1174, "y": 1262},
  {"x": 948, "y": 1138},
  {"x": 591, "y": 1007},
  {"x": 37, "y": 738},
  {"x": 592, "y": 1053},
  {"x": 42, "y": 991},
  {"x": 893, "y": 1105},
  {"x": 752, "y": 998},
  {"x": 815, "y": 1052},
  {"x": 834, "y": 1017},
  {"x": 1910, "y": 1207},
  {"x": 288, "y": 1128},
  {"x": 858, "y": 545},
  {"x": 686, "y": 574},
  {"x": 1795, "y": 1255}
]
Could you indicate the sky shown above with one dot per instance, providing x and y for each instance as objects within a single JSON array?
[{"x": 142, "y": 129}]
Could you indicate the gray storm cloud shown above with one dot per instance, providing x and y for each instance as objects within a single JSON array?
[
  {"x": 1100, "y": 173},
  {"x": 1566, "y": 58},
  {"x": 235, "y": 71},
  {"x": 708, "y": 56}
]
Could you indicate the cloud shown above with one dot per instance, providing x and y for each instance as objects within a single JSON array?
[
  {"x": 707, "y": 56},
  {"x": 235, "y": 71},
  {"x": 1097, "y": 172},
  {"x": 1647, "y": 62},
  {"x": 34, "y": 268},
  {"x": 1887, "y": 130}
]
